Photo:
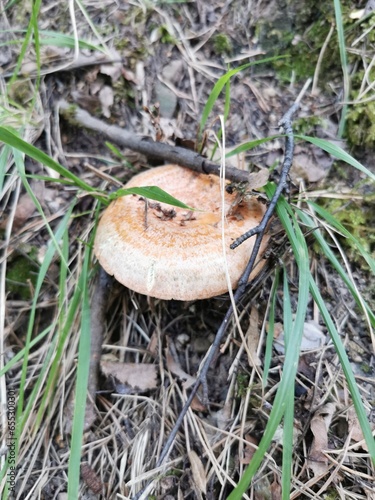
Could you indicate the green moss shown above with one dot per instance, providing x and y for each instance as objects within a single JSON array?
[
  {"x": 360, "y": 125},
  {"x": 298, "y": 32},
  {"x": 242, "y": 384},
  {"x": 358, "y": 217},
  {"x": 22, "y": 275},
  {"x": 222, "y": 44},
  {"x": 306, "y": 125},
  {"x": 366, "y": 368},
  {"x": 165, "y": 36}
]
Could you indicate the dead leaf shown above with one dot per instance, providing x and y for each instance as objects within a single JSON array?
[
  {"x": 252, "y": 338},
  {"x": 176, "y": 369},
  {"x": 249, "y": 449},
  {"x": 354, "y": 428},
  {"x": 113, "y": 70},
  {"x": 317, "y": 460},
  {"x": 106, "y": 98},
  {"x": 198, "y": 472},
  {"x": 136, "y": 377},
  {"x": 313, "y": 338},
  {"x": 197, "y": 405},
  {"x": 310, "y": 164},
  {"x": 258, "y": 179},
  {"x": 276, "y": 490}
]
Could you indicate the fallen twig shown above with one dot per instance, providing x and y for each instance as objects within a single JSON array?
[{"x": 149, "y": 147}]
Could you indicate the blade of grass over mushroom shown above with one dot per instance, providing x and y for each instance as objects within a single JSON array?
[
  {"x": 220, "y": 84},
  {"x": 300, "y": 252},
  {"x": 337, "y": 152},
  {"x": 81, "y": 384},
  {"x": 153, "y": 193}
]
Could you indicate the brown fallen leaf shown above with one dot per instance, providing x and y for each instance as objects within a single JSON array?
[
  {"x": 176, "y": 369},
  {"x": 106, "y": 98},
  {"x": 136, "y": 377},
  {"x": 249, "y": 449},
  {"x": 276, "y": 490},
  {"x": 259, "y": 179},
  {"x": 354, "y": 428},
  {"x": 252, "y": 338},
  {"x": 317, "y": 460},
  {"x": 26, "y": 207},
  {"x": 198, "y": 472}
]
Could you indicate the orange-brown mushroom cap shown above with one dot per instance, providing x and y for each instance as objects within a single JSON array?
[{"x": 173, "y": 253}]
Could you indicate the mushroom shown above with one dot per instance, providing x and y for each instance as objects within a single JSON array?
[{"x": 176, "y": 253}]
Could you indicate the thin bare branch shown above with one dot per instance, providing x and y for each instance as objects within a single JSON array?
[{"x": 147, "y": 146}]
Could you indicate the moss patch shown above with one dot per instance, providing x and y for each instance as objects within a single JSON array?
[{"x": 22, "y": 275}]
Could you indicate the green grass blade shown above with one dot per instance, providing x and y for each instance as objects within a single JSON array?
[
  {"x": 12, "y": 139},
  {"x": 291, "y": 358},
  {"x": 21, "y": 353},
  {"x": 220, "y": 84},
  {"x": 62, "y": 40},
  {"x": 337, "y": 152},
  {"x": 246, "y": 146},
  {"x": 333, "y": 222},
  {"x": 286, "y": 476},
  {"x": 58, "y": 344},
  {"x": 327, "y": 251},
  {"x": 4, "y": 155},
  {"x": 345, "y": 364},
  {"x": 271, "y": 328},
  {"x": 81, "y": 385},
  {"x": 344, "y": 64},
  {"x": 152, "y": 193},
  {"x": 51, "y": 250},
  {"x": 34, "y": 21},
  {"x": 19, "y": 161},
  {"x": 52, "y": 38}
]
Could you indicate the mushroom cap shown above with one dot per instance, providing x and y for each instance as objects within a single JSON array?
[{"x": 173, "y": 253}]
